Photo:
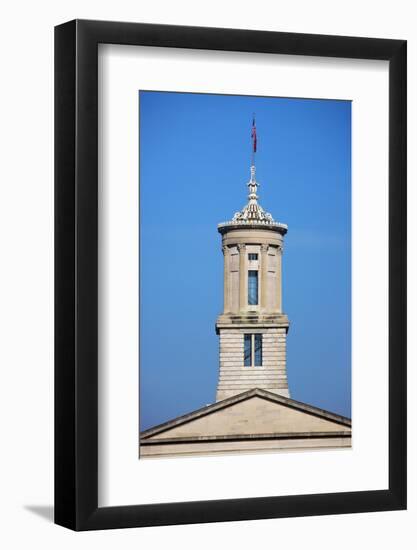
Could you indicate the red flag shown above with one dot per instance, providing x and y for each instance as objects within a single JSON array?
[{"x": 253, "y": 135}]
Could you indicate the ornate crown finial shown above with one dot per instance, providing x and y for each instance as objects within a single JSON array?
[{"x": 253, "y": 211}]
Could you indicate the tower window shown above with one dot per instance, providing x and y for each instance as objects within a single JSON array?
[
  {"x": 248, "y": 350},
  {"x": 252, "y": 287},
  {"x": 253, "y": 350},
  {"x": 258, "y": 350},
  {"x": 252, "y": 257}
]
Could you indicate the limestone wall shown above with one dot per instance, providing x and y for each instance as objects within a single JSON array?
[{"x": 235, "y": 378}]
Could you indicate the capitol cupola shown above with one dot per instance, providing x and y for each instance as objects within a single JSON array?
[{"x": 252, "y": 327}]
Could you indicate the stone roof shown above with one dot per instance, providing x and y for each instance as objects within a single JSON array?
[
  {"x": 341, "y": 423},
  {"x": 254, "y": 421}
]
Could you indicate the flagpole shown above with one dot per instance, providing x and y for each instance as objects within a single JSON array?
[
  {"x": 254, "y": 147},
  {"x": 253, "y": 139}
]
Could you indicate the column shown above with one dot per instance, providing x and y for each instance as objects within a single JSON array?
[
  {"x": 242, "y": 277},
  {"x": 279, "y": 279},
  {"x": 226, "y": 254},
  {"x": 264, "y": 276}
]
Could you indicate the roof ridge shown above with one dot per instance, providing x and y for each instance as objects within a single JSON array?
[{"x": 213, "y": 407}]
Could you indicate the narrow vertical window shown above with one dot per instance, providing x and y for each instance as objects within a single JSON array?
[
  {"x": 253, "y": 350},
  {"x": 252, "y": 287},
  {"x": 258, "y": 350},
  {"x": 248, "y": 350}
]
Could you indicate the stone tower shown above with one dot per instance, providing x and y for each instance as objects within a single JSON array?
[{"x": 252, "y": 328}]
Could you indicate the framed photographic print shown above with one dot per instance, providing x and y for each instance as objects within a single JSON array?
[{"x": 230, "y": 275}]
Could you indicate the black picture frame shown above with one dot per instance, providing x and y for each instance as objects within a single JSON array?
[{"x": 76, "y": 274}]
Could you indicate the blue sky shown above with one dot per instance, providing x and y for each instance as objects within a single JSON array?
[{"x": 194, "y": 165}]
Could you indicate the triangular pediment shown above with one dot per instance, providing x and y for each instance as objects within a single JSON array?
[{"x": 253, "y": 412}]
